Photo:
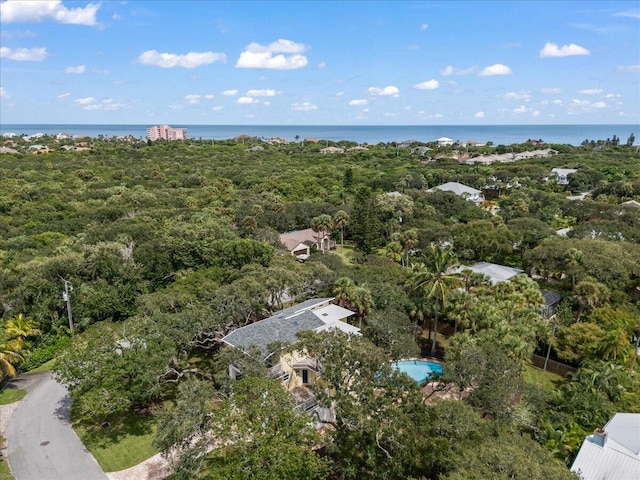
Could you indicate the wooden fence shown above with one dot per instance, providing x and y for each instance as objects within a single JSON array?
[{"x": 552, "y": 366}]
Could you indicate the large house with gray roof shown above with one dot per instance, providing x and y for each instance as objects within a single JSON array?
[
  {"x": 464, "y": 191},
  {"x": 316, "y": 314}
]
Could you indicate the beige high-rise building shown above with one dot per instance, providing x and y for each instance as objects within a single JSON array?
[{"x": 166, "y": 132}]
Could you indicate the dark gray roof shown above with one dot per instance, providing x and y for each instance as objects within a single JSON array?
[
  {"x": 281, "y": 327},
  {"x": 550, "y": 298}
]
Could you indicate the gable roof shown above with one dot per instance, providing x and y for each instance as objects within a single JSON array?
[
  {"x": 294, "y": 238},
  {"x": 614, "y": 456},
  {"x": 630, "y": 203},
  {"x": 497, "y": 273},
  {"x": 457, "y": 188},
  {"x": 550, "y": 298},
  {"x": 563, "y": 171},
  {"x": 316, "y": 314}
]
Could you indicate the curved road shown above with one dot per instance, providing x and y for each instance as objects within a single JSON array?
[{"x": 41, "y": 445}]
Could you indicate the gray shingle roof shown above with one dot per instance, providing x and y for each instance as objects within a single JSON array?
[{"x": 281, "y": 327}]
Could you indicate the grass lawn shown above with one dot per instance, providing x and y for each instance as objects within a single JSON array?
[
  {"x": 343, "y": 253},
  {"x": 10, "y": 395},
  {"x": 45, "y": 367},
  {"x": 124, "y": 443},
  {"x": 5, "y": 472},
  {"x": 545, "y": 380}
]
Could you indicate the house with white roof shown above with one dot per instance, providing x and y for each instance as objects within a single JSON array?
[
  {"x": 496, "y": 273},
  {"x": 562, "y": 174},
  {"x": 444, "y": 141},
  {"x": 331, "y": 150},
  {"x": 464, "y": 191},
  {"x": 613, "y": 452},
  {"x": 294, "y": 370}
]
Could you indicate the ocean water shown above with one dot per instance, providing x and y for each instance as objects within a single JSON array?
[{"x": 498, "y": 134}]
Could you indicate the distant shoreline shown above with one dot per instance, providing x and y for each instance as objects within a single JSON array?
[{"x": 370, "y": 134}]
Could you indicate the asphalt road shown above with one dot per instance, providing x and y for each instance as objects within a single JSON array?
[{"x": 41, "y": 445}]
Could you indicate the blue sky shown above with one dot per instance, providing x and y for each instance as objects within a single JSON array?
[{"x": 320, "y": 63}]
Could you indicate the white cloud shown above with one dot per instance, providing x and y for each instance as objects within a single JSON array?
[
  {"x": 386, "y": 91},
  {"x": 304, "y": 107},
  {"x": 358, "y": 102},
  {"x": 632, "y": 13},
  {"x": 192, "y": 99},
  {"x": 322, "y": 64},
  {"x": 592, "y": 91},
  {"x": 106, "y": 104},
  {"x": 79, "y": 69},
  {"x": 3, "y": 93},
  {"x": 262, "y": 56},
  {"x": 550, "y": 90},
  {"x": 188, "y": 60},
  {"x": 62, "y": 96},
  {"x": 261, "y": 93},
  {"x": 613, "y": 95},
  {"x": 629, "y": 68},
  {"x": 479, "y": 115},
  {"x": 599, "y": 105},
  {"x": 247, "y": 100},
  {"x": 101, "y": 71},
  {"x": 424, "y": 26},
  {"x": 427, "y": 85},
  {"x": 230, "y": 93},
  {"x": 24, "y": 54},
  {"x": 535, "y": 113},
  {"x": 40, "y": 11},
  {"x": 579, "y": 103},
  {"x": 451, "y": 70},
  {"x": 496, "y": 69},
  {"x": 518, "y": 96},
  {"x": 558, "y": 102},
  {"x": 217, "y": 108},
  {"x": 85, "y": 101},
  {"x": 208, "y": 97},
  {"x": 552, "y": 50},
  {"x": 520, "y": 109},
  {"x": 339, "y": 94}
]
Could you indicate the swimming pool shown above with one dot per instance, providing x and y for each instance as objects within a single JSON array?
[{"x": 419, "y": 370}]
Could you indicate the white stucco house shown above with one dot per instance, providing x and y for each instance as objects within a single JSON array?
[
  {"x": 562, "y": 174},
  {"x": 444, "y": 141},
  {"x": 300, "y": 242}
]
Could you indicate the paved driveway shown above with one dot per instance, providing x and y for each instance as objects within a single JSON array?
[{"x": 41, "y": 445}]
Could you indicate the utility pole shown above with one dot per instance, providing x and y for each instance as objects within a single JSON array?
[{"x": 67, "y": 298}]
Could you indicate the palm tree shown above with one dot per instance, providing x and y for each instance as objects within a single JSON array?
[
  {"x": 589, "y": 294},
  {"x": 435, "y": 281},
  {"x": 573, "y": 258},
  {"x": 361, "y": 301},
  {"x": 21, "y": 327},
  {"x": 394, "y": 251},
  {"x": 322, "y": 224},
  {"x": 408, "y": 239},
  {"x": 8, "y": 356},
  {"x": 341, "y": 220},
  {"x": 343, "y": 290}
]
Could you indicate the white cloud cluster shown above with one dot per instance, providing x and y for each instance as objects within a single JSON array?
[
  {"x": 230, "y": 93},
  {"x": 548, "y": 91},
  {"x": 427, "y": 85},
  {"x": 77, "y": 70},
  {"x": 41, "y": 10},
  {"x": 187, "y": 60},
  {"x": 479, "y": 114},
  {"x": 24, "y": 54},
  {"x": 629, "y": 68},
  {"x": 358, "y": 102},
  {"x": 451, "y": 70},
  {"x": 90, "y": 103},
  {"x": 386, "y": 91},
  {"x": 518, "y": 96},
  {"x": 261, "y": 93},
  {"x": 303, "y": 107},
  {"x": 3, "y": 93},
  {"x": 586, "y": 105},
  {"x": 424, "y": 26},
  {"x": 592, "y": 91},
  {"x": 192, "y": 99},
  {"x": 551, "y": 50},
  {"x": 496, "y": 69},
  {"x": 247, "y": 100},
  {"x": 288, "y": 55}
]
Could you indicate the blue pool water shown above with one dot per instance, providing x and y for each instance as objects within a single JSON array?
[{"x": 419, "y": 370}]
